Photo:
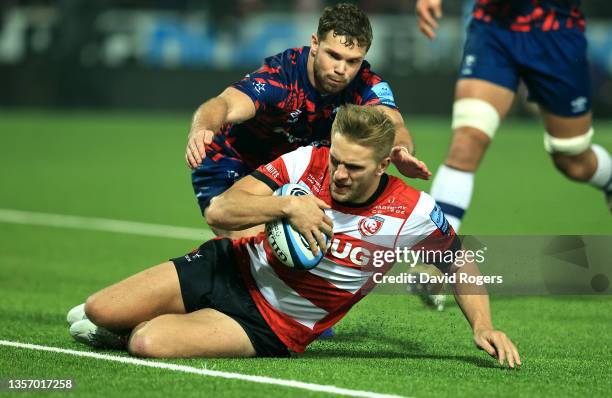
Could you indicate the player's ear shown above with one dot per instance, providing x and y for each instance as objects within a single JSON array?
[
  {"x": 383, "y": 165},
  {"x": 314, "y": 44}
]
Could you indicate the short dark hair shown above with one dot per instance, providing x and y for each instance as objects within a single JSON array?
[
  {"x": 346, "y": 20},
  {"x": 367, "y": 126}
]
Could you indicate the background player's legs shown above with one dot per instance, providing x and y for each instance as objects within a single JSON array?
[
  {"x": 569, "y": 144},
  {"x": 141, "y": 297},
  {"x": 474, "y": 124},
  {"x": 203, "y": 333}
]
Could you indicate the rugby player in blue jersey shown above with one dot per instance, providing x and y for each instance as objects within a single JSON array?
[
  {"x": 542, "y": 43},
  {"x": 289, "y": 102}
]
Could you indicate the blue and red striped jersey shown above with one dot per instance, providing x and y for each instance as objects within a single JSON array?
[
  {"x": 524, "y": 15},
  {"x": 290, "y": 112}
]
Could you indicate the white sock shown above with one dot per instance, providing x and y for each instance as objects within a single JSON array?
[
  {"x": 602, "y": 178},
  {"x": 452, "y": 189}
]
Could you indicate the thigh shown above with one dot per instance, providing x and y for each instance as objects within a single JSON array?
[
  {"x": 139, "y": 298},
  {"x": 486, "y": 57},
  {"x": 566, "y": 127},
  {"x": 203, "y": 333},
  {"x": 556, "y": 71},
  {"x": 469, "y": 144}
]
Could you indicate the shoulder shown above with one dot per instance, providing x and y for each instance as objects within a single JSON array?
[
  {"x": 366, "y": 76},
  {"x": 283, "y": 61}
]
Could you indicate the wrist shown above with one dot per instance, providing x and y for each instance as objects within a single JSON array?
[
  {"x": 287, "y": 205},
  {"x": 407, "y": 148}
]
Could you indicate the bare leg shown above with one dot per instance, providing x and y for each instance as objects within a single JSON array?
[
  {"x": 203, "y": 333},
  {"x": 141, "y": 297},
  {"x": 469, "y": 144},
  {"x": 582, "y": 166}
]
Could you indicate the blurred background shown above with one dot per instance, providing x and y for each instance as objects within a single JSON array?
[{"x": 174, "y": 54}]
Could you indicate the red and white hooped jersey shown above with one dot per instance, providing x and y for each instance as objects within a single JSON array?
[{"x": 299, "y": 305}]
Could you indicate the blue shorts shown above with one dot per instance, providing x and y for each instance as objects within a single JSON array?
[
  {"x": 552, "y": 64},
  {"x": 213, "y": 177}
]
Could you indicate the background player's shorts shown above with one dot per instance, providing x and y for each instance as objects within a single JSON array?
[
  {"x": 553, "y": 64},
  {"x": 213, "y": 177},
  {"x": 209, "y": 278}
]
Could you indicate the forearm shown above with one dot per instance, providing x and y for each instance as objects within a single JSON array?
[
  {"x": 402, "y": 135},
  {"x": 236, "y": 210},
  {"x": 211, "y": 115},
  {"x": 473, "y": 300},
  {"x": 403, "y": 138}
]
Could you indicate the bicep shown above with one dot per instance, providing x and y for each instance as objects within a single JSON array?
[
  {"x": 252, "y": 185},
  {"x": 240, "y": 107}
]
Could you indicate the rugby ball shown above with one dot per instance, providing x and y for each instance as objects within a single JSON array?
[{"x": 288, "y": 245}]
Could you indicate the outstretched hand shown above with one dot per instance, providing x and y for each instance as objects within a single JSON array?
[
  {"x": 498, "y": 345},
  {"x": 409, "y": 165},
  {"x": 195, "y": 151}
]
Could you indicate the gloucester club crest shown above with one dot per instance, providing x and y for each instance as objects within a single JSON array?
[{"x": 370, "y": 225}]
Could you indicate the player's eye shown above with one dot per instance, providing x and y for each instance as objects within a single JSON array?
[{"x": 335, "y": 56}]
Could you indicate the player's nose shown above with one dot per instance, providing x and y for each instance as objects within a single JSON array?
[
  {"x": 340, "y": 68},
  {"x": 341, "y": 173}
]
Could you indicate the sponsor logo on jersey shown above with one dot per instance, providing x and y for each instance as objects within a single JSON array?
[
  {"x": 345, "y": 250},
  {"x": 371, "y": 225},
  {"x": 437, "y": 217},
  {"x": 294, "y": 116},
  {"x": 272, "y": 170},
  {"x": 384, "y": 93},
  {"x": 259, "y": 87}
]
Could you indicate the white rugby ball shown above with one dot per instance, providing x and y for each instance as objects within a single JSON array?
[{"x": 288, "y": 245}]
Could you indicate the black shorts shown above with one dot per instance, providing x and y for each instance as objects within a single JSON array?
[{"x": 210, "y": 278}]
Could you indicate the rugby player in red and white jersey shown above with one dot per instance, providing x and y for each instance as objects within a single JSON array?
[{"x": 233, "y": 298}]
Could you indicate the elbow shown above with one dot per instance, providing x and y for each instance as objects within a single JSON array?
[{"x": 214, "y": 214}]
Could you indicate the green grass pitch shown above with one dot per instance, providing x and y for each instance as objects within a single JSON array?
[{"x": 131, "y": 167}]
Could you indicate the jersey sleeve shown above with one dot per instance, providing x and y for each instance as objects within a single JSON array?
[
  {"x": 285, "y": 169},
  {"x": 427, "y": 230},
  {"x": 375, "y": 90},
  {"x": 267, "y": 86}
]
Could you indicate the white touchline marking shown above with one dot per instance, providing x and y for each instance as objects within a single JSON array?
[
  {"x": 204, "y": 372},
  {"x": 104, "y": 224}
]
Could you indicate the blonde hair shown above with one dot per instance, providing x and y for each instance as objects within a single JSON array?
[{"x": 365, "y": 126}]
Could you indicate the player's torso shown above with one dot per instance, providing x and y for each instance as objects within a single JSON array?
[
  {"x": 358, "y": 231},
  {"x": 300, "y": 116}
]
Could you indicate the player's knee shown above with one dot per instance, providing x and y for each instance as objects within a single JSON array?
[
  {"x": 476, "y": 114},
  {"x": 142, "y": 343},
  {"x": 571, "y": 146},
  {"x": 568, "y": 154},
  {"x": 98, "y": 310}
]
